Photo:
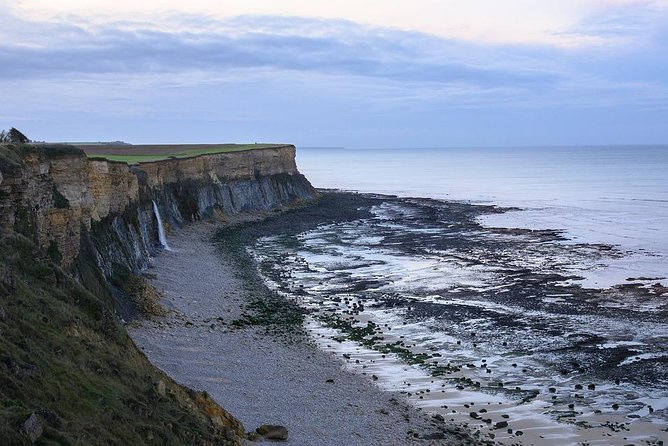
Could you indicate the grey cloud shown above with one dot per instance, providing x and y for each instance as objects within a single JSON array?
[{"x": 323, "y": 46}]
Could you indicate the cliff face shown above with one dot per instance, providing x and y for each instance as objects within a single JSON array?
[
  {"x": 81, "y": 210},
  {"x": 67, "y": 366},
  {"x": 223, "y": 166},
  {"x": 231, "y": 183}
]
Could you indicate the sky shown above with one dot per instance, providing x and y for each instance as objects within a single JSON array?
[{"x": 353, "y": 73}]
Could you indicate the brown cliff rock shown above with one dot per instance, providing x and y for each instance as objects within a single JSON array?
[{"x": 56, "y": 192}]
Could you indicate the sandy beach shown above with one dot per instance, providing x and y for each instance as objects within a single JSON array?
[{"x": 261, "y": 377}]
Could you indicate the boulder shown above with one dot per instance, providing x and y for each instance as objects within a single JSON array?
[
  {"x": 273, "y": 432},
  {"x": 33, "y": 427}
]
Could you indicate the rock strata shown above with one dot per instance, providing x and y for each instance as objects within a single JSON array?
[
  {"x": 82, "y": 210},
  {"x": 55, "y": 192}
]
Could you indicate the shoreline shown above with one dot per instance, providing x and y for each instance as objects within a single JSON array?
[
  {"x": 263, "y": 377},
  {"x": 260, "y": 315}
]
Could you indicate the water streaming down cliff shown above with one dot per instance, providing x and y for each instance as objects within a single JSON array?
[
  {"x": 65, "y": 219},
  {"x": 161, "y": 229},
  {"x": 97, "y": 216}
]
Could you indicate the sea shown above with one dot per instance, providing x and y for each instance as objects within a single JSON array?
[
  {"x": 521, "y": 291},
  {"x": 603, "y": 194}
]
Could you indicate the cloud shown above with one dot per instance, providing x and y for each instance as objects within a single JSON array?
[
  {"x": 416, "y": 66},
  {"x": 490, "y": 21},
  {"x": 333, "y": 47},
  {"x": 303, "y": 76}
]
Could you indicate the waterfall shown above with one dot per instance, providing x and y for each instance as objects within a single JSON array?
[{"x": 161, "y": 230}]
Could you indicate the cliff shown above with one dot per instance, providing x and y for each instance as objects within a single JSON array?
[
  {"x": 83, "y": 211},
  {"x": 74, "y": 232}
]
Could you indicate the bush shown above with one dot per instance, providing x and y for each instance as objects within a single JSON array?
[{"x": 13, "y": 135}]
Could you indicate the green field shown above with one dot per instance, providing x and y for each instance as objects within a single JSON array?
[{"x": 133, "y": 154}]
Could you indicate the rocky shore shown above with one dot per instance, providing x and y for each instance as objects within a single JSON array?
[
  {"x": 491, "y": 336},
  {"x": 265, "y": 374}
]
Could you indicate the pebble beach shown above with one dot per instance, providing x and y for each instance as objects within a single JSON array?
[{"x": 259, "y": 376}]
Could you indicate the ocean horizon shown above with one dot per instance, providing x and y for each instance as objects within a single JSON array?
[{"x": 616, "y": 195}]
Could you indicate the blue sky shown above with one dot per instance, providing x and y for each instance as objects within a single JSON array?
[{"x": 359, "y": 73}]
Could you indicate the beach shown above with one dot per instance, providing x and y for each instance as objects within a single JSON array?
[
  {"x": 370, "y": 319},
  {"x": 260, "y": 377}
]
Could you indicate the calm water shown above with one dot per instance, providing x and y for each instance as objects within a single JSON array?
[{"x": 612, "y": 195}]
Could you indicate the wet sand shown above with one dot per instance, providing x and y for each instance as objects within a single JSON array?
[{"x": 264, "y": 378}]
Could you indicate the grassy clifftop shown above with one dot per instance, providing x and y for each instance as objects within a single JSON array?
[
  {"x": 133, "y": 154},
  {"x": 69, "y": 373}
]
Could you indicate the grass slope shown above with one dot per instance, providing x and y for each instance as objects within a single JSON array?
[
  {"x": 67, "y": 364},
  {"x": 133, "y": 154}
]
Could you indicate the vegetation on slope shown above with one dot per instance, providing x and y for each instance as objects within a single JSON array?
[{"x": 69, "y": 373}]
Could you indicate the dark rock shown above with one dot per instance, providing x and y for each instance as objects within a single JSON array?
[
  {"x": 434, "y": 436},
  {"x": 438, "y": 417},
  {"x": 501, "y": 425},
  {"x": 273, "y": 432},
  {"x": 50, "y": 417}
]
